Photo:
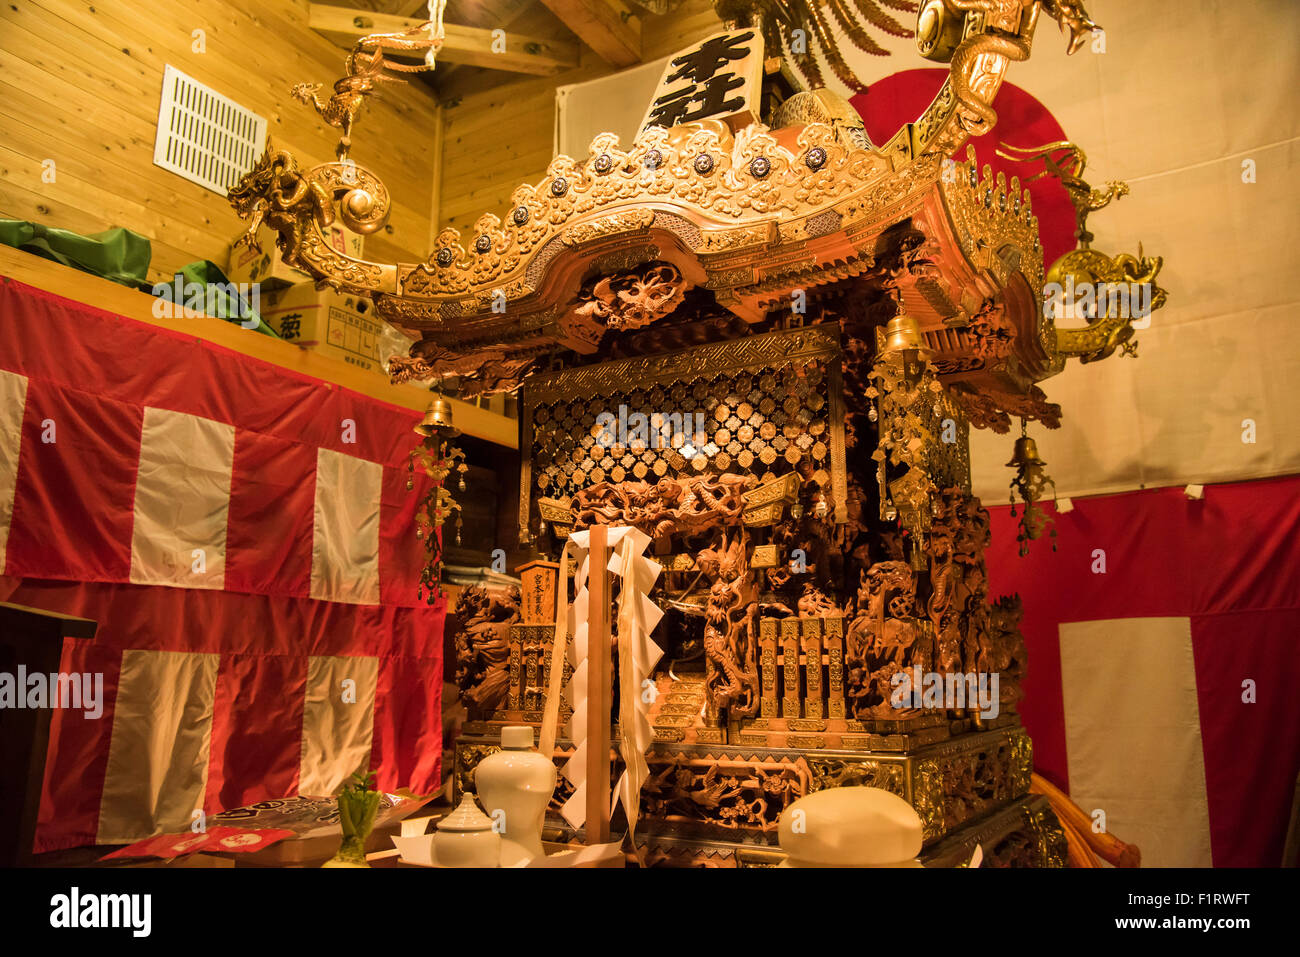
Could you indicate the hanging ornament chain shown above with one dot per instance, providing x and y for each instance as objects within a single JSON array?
[
  {"x": 1030, "y": 482},
  {"x": 437, "y": 458}
]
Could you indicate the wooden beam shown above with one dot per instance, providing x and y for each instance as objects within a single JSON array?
[
  {"x": 472, "y": 46},
  {"x": 490, "y": 15},
  {"x": 486, "y": 13},
  {"x": 435, "y": 187},
  {"x": 607, "y": 26}
]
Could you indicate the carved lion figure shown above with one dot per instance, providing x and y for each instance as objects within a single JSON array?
[{"x": 635, "y": 299}]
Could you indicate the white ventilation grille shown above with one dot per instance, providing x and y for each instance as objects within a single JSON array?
[{"x": 204, "y": 136}]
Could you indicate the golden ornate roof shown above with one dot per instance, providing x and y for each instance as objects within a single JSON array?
[{"x": 754, "y": 216}]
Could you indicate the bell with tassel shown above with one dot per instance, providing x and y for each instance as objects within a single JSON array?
[
  {"x": 1030, "y": 482},
  {"x": 438, "y": 419}
]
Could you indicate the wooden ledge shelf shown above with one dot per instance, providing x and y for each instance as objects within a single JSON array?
[{"x": 100, "y": 293}]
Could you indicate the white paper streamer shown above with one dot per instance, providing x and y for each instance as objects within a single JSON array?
[
  {"x": 638, "y": 654},
  {"x": 559, "y": 651},
  {"x": 575, "y": 769}
]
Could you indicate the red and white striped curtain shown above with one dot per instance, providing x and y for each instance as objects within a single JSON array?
[
  {"x": 1164, "y": 665},
  {"x": 244, "y": 537}
]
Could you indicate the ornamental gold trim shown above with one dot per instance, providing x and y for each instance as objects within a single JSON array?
[{"x": 586, "y": 382}]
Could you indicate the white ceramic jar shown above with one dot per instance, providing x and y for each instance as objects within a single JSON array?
[
  {"x": 850, "y": 827},
  {"x": 466, "y": 838},
  {"x": 515, "y": 786}
]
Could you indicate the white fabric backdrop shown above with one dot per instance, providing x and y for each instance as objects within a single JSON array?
[
  {"x": 611, "y": 104},
  {"x": 1184, "y": 92}
]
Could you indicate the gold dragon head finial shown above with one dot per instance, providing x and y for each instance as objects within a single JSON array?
[{"x": 1114, "y": 295}]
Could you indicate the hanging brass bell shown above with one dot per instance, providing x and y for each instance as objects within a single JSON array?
[
  {"x": 1031, "y": 482},
  {"x": 903, "y": 334},
  {"x": 437, "y": 419},
  {"x": 1025, "y": 454}
]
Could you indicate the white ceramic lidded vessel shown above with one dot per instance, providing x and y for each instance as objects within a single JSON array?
[
  {"x": 515, "y": 786},
  {"x": 466, "y": 838}
]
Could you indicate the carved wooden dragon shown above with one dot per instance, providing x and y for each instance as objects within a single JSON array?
[
  {"x": 731, "y": 675},
  {"x": 677, "y": 506},
  {"x": 481, "y": 623},
  {"x": 877, "y": 645}
]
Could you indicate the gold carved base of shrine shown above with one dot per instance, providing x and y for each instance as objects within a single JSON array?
[{"x": 703, "y": 799}]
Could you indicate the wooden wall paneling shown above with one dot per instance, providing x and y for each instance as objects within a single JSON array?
[
  {"x": 87, "y": 208},
  {"x": 463, "y": 209},
  {"x": 99, "y": 195},
  {"x": 435, "y": 181},
  {"x": 250, "y": 58},
  {"x": 20, "y": 203},
  {"x": 97, "y": 124},
  {"x": 519, "y": 99},
  {"x": 44, "y": 44},
  {"x": 104, "y": 165},
  {"x": 83, "y": 82},
  {"x": 501, "y": 155},
  {"x": 515, "y": 110},
  {"x": 497, "y": 139},
  {"x": 48, "y": 134},
  {"x": 83, "y": 79}
]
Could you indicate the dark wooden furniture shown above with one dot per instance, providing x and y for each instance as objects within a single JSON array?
[{"x": 32, "y": 638}]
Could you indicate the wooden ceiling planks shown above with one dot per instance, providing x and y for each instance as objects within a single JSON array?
[
  {"x": 473, "y": 46},
  {"x": 610, "y": 27}
]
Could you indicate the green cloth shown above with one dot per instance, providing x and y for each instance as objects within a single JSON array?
[
  {"x": 123, "y": 256},
  {"x": 221, "y": 299},
  {"x": 116, "y": 254}
]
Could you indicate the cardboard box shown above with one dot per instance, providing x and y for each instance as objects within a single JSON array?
[
  {"x": 266, "y": 267},
  {"x": 341, "y": 326}
]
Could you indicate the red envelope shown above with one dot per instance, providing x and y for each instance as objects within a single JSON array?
[{"x": 225, "y": 839}]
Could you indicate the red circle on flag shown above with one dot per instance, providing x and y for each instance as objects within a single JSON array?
[{"x": 1022, "y": 121}]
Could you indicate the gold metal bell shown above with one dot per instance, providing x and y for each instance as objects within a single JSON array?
[
  {"x": 903, "y": 334},
  {"x": 1025, "y": 454},
  {"x": 437, "y": 418}
]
